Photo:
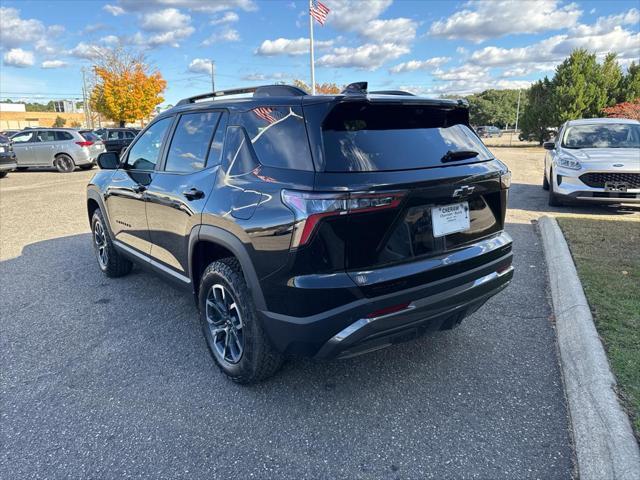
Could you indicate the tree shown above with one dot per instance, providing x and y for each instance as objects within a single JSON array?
[
  {"x": 610, "y": 80},
  {"x": 494, "y": 107},
  {"x": 624, "y": 110},
  {"x": 539, "y": 114},
  {"x": 59, "y": 122},
  {"x": 126, "y": 88},
  {"x": 578, "y": 87},
  {"x": 630, "y": 83},
  {"x": 321, "y": 88}
]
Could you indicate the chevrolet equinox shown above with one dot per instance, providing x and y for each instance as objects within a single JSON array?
[{"x": 318, "y": 225}]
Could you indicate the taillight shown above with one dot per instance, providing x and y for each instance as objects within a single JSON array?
[
  {"x": 310, "y": 208},
  {"x": 86, "y": 143}
]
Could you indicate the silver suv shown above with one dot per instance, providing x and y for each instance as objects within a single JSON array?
[
  {"x": 62, "y": 148},
  {"x": 594, "y": 160}
]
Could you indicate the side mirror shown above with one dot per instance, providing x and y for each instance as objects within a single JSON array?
[
  {"x": 108, "y": 161},
  {"x": 549, "y": 145}
]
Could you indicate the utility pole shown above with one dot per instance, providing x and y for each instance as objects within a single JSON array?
[
  {"x": 213, "y": 70},
  {"x": 518, "y": 109},
  {"x": 85, "y": 101}
]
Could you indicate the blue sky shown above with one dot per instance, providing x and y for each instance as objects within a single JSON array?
[{"x": 430, "y": 47}]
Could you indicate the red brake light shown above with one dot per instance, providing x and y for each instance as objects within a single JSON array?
[
  {"x": 86, "y": 143},
  {"x": 310, "y": 208},
  {"x": 389, "y": 310}
]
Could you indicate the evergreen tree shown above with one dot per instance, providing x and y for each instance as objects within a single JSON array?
[
  {"x": 630, "y": 84},
  {"x": 578, "y": 87},
  {"x": 610, "y": 80},
  {"x": 539, "y": 114}
]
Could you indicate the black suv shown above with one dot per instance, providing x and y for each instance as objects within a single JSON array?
[
  {"x": 326, "y": 226},
  {"x": 117, "y": 139}
]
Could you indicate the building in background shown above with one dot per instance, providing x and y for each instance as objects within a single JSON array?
[{"x": 13, "y": 107}]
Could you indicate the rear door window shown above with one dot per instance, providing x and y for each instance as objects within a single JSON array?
[
  {"x": 359, "y": 137},
  {"x": 62, "y": 136},
  {"x": 239, "y": 157},
  {"x": 46, "y": 136},
  {"x": 279, "y": 137},
  {"x": 190, "y": 142}
]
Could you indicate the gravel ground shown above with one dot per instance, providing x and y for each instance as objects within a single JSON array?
[{"x": 112, "y": 378}]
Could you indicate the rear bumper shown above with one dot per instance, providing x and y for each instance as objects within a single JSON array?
[{"x": 349, "y": 330}]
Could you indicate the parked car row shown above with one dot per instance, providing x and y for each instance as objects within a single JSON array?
[{"x": 61, "y": 148}]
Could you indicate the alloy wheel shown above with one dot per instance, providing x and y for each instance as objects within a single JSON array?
[
  {"x": 100, "y": 240},
  {"x": 225, "y": 324}
]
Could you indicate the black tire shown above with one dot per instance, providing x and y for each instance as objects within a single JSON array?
[
  {"x": 554, "y": 201},
  {"x": 3, "y": 174},
  {"x": 112, "y": 263},
  {"x": 545, "y": 182},
  {"x": 22, "y": 169},
  {"x": 64, "y": 163},
  {"x": 86, "y": 167},
  {"x": 257, "y": 359}
]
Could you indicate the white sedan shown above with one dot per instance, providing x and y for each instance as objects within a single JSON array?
[{"x": 594, "y": 160}]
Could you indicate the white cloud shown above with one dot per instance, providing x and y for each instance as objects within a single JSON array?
[
  {"x": 396, "y": 30},
  {"x": 114, "y": 10},
  {"x": 87, "y": 51},
  {"x": 556, "y": 48},
  {"x": 289, "y": 46},
  {"x": 227, "y": 17},
  {"x": 209, "y": 6},
  {"x": 53, "y": 64},
  {"x": 165, "y": 20},
  {"x": 200, "y": 65},
  {"x": 606, "y": 24},
  {"x": 463, "y": 87},
  {"x": 16, "y": 57},
  {"x": 481, "y": 20},
  {"x": 15, "y": 31},
  {"x": 365, "y": 57},
  {"x": 223, "y": 36},
  {"x": 111, "y": 40},
  {"x": 354, "y": 15},
  {"x": 258, "y": 77},
  {"x": 413, "y": 65}
]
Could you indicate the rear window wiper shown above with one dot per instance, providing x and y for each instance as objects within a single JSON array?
[{"x": 452, "y": 156}]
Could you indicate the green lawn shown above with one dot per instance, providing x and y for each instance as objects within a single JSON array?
[{"x": 607, "y": 256}]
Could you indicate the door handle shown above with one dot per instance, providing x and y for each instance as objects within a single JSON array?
[
  {"x": 193, "y": 194},
  {"x": 139, "y": 188}
]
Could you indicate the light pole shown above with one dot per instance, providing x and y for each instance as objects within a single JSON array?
[{"x": 213, "y": 82}]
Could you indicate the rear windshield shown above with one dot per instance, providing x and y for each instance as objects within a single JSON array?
[{"x": 368, "y": 138}]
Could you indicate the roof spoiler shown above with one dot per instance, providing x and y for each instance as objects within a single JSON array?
[{"x": 260, "y": 91}]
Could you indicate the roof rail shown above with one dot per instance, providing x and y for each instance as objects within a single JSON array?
[
  {"x": 357, "y": 88},
  {"x": 393, "y": 92},
  {"x": 259, "y": 91}
]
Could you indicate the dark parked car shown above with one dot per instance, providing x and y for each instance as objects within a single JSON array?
[
  {"x": 7, "y": 156},
  {"x": 326, "y": 226},
  {"x": 117, "y": 139},
  {"x": 489, "y": 131}
]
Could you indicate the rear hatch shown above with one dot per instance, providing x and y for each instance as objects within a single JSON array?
[{"x": 445, "y": 189}]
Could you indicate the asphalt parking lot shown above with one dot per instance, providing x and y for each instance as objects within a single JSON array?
[{"x": 110, "y": 378}]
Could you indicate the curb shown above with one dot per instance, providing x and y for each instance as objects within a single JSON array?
[{"x": 605, "y": 445}]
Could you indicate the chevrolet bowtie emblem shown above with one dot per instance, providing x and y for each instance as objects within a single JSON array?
[{"x": 463, "y": 191}]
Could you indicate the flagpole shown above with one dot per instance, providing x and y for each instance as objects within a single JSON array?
[{"x": 313, "y": 70}]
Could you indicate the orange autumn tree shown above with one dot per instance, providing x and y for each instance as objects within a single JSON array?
[
  {"x": 321, "y": 88},
  {"x": 126, "y": 88}
]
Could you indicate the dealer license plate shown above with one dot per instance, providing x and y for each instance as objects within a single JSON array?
[{"x": 451, "y": 218}]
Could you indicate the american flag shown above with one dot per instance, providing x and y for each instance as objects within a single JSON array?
[
  {"x": 265, "y": 113},
  {"x": 319, "y": 11}
]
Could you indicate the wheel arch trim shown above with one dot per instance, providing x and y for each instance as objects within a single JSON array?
[{"x": 232, "y": 243}]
